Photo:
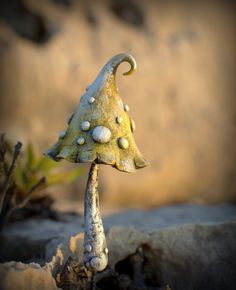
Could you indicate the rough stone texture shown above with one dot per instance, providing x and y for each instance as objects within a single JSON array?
[
  {"x": 185, "y": 257},
  {"x": 16, "y": 275},
  {"x": 172, "y": 216},
  {"x": 29, "y": 238},
  {"x": 182, "y": 96},
  {"x": 194, "y": 256},
  {"x": 188, "y": 247},
  {"x": 39, "y": 238}
]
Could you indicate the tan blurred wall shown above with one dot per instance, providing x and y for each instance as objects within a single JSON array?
[{"x": 182, "y": 96}]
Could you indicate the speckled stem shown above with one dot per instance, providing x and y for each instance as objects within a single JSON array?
[{"x": 95, "y": 250}]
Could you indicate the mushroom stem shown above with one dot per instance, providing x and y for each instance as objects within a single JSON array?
[{"x": 95, "y": 248}]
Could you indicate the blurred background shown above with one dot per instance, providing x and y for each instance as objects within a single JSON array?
[{"x": 182, "y": 96}]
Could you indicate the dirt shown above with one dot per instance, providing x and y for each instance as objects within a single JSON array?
[{"x": 128, "y": 274}]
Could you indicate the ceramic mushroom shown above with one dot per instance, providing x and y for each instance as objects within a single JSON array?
[{"x": 100, "y": 132}]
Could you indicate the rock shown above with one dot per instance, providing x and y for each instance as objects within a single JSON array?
[
  {"x": 28, "y": 238},
  {"x": 186, "y": 257},
  {"x": 172, "y": 216},
  {"x": 38, "y": 239},
  {"x": 187, "y": 247},
  {"x": 193, "y": 257},
  {"x": 16, "y": 275}
]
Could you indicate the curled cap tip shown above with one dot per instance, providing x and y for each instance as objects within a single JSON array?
[
  {"x": 115, "y": 61},
  {"x": 133, "y": 65}
]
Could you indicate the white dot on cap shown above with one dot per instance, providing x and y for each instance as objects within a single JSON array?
[
  {"x": 85, "y": 125},
  {"x": 119, "y": 120},
  {"x": 123, "y": 143},
  {"x": 91, "y": 100},
  {"x": 80, "y": 141},
  {"x": 126, "y": 108},
  {"x": 101, "y": 134}
]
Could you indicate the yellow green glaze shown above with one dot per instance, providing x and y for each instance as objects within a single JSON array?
[{"x": 102, "y": 112}]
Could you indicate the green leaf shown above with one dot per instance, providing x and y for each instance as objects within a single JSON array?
[
  {"x": 45, "y": 164},
  {"x": 30, "y": 158},
  {"x": 19, "y": 179},
  {"x": 63, "y": 177},
  {"x": 72, "y": 175},
  {"x": 31, "y": 167},
  {"x": 55, "y": 178}
]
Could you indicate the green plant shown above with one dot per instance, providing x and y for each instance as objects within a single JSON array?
[{"x": 24, "y": 176}]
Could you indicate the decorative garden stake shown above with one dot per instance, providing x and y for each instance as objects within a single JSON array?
[{"x": 100, "y": 132}]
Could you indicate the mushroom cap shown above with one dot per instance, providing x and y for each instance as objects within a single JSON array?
[{"x": 102, "y": 141}]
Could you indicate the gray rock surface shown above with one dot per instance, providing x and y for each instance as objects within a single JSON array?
[
  {"x": 29, "y": 238},
  {"x": 194, "y": 256},
  {"x": 185, "y": 257},
  {"x": 185, "y": 246},
  {"x": 172, "y": 216}
]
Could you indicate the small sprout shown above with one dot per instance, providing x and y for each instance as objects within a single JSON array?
[{"x": 24, "y": 177}]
